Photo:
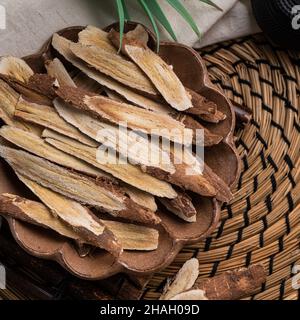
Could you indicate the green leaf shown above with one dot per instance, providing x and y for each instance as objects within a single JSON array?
[
  {"x": 209, "y": 2},
  {"x": 126, "y": 13},
  {"x": 176, "y": 4},
  {"x": 121, "y": 20},
  {"x": 160, "y": 16},
  {"x": 152, "y": 19}
]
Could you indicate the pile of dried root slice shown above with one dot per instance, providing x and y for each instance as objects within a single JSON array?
[{"x": 51, "y": 140}]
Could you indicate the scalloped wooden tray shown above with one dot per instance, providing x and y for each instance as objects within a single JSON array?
[{"x": 174, "y": 233}]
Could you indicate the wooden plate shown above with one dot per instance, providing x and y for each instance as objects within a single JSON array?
[{"x": 174, "y": 233}]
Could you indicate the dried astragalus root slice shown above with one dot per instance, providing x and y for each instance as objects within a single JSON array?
[
  {"x": 126, "y": 95},
  {"x": 100, "y": 193},
  {"x": 233, "y": 285},
  {"x": 183, "y": 281},
  {"x": 133, "y": 237},
  {"x": 161, "y": 74},
  {"x": 35, "y": 213},
  {"x": 47, "y": 117},
  {"x": 128, "y": 173},
  {"x": 9, "y": 99},
  {"x": 191, "y": 175},
  {"x": 140, "y": 197},
  {"x": 113, "y": 65},
  {"x": 56, "y": 69},
  {"x": 121, "y": 93},
  {"x": 136, "y": 118},
  {"x": 15, "y": 68},
  {"x": 79, "y": 218},
  {"x": 92, "y": 36}
]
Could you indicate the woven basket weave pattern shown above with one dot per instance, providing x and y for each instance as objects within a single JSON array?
[{"x": 262, "y": 224}]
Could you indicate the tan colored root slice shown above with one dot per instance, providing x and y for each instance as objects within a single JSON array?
[
  {"x": 137, "y": 149},
  {"x": 210, "y": 139},
  {"x": 114, "y": 66},
  {"x": 120, "y": 93},
  {"x": 79, "y": 218},
  {"x": 92, "y": 36},
  {"x": 34, "y": 213},
  {"x": 15, "y": 68},
  {"x": 128, "y": 173},
  {"x": 161, "y": 74},
  {"x": 223, "y": 191},
  {"x": 133, "y": 237},
  {"x": 34, "y": 144},
  {"x": 56, "y": 69},
  {"x": 9, "y": 99},
  {"x": 136, "y": 118},
  {"x": 47, "y": 117},
  {"x": 187, "y": 175},
  {"x": 233, "y": 285},
  {"x": 214, "y": 118},
  {"x": 129, "y": 95},
  {"x": 192, "y": 175},
  {"x": 191, "y": 295},
  {"x": 183, "y": 281},
  {"x": 140, "y": 197},
  {"x": 181, "y": 206}
]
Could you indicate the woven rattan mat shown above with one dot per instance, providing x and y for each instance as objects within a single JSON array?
[{"x": 262, "y": 224}]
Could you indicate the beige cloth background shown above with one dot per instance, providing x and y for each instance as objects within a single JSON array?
[{"x": 30, "y": 23}]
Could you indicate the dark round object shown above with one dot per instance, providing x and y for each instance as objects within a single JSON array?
[{"x": 275, "y": 18}]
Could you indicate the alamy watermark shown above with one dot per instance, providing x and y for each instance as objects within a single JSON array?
[
  {"x": 120, "y": 145},
  {"x": 296, "y": 17},
  {"x": 2, "y": 18}
]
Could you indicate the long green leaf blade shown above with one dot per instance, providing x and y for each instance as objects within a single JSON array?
[
  {"x": 121, "y": 20},
  {"x": 176, "y": 4},
  {"x": 211, "y": 3},
  {"x": 149, "y": 13},
  {"x": 126, "y": 13},
  {"x": 160, "y": 16}
]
